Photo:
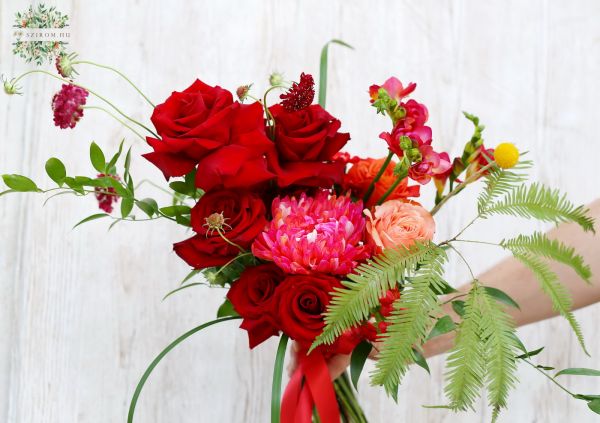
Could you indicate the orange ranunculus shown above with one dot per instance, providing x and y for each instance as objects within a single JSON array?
[
  {"x": 361, "y": 174},
  {"x": 397, "y": 223}
]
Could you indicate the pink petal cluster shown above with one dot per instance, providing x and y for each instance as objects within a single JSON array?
[
  {"x": 314, "y": 234},
  {"x": 394, "y": 88},
  {"x": 431, "y": 165},
  {"x": 67, "y": 105},
  {"x": 106, "y": 196}
]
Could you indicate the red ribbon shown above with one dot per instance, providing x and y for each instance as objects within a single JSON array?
[{"x": 310, "y": 386}]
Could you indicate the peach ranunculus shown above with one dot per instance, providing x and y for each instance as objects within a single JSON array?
[
  {"x": 397, "y": 223},
  {"x": 361, "y": 174}
]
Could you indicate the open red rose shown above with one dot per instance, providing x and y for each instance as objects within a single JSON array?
[
  {"x": 252, "y": 297},
  {"x": 241, "y": 216},
  {"x": 203, "y": 126},
  {"x": 301, "y": 301},
  {"x": 306, "y": 141}
]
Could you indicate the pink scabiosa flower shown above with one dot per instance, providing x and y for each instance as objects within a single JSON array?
[
  {"x": 67, "y": 105},
  {"x": 301, "y": 95},
  {"x": 106, "y": 196},
  {"x": 314, "y": 234}
]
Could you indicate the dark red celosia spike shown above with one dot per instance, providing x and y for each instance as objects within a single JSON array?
[{"x": 301, "y": 95}]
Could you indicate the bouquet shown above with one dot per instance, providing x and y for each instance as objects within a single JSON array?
[{"x": 313, "y": 244}]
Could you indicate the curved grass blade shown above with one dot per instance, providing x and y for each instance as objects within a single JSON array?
[
  {"x": 150, "y": 369},
  {"x": 323, "y": 69},
  {"x": 277, "y": 373}
]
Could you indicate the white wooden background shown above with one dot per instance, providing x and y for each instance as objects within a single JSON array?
[{"x": 80, "y": 310}]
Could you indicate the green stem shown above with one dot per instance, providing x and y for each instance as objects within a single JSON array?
[
  {"x": 118, "y": 72},
  {"x": 13, "y": 82},
  {"x": 478, "y": 242},
  {"x": 549, "y": 377},
  {"x": 268, "y": 112},
  {"x": 277, "y": 374},
  {"x": 371, "y": 187},
  {"x": 460, "y": 187},
  {"x": 146, "y": 375},
  {"x": 391, "y": 189},
  {"x": 117, "y": 119},
  {"x": 341, "y": 396}
]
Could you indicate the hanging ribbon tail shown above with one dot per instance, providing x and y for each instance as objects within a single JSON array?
[{"x": 310, "y": 386}]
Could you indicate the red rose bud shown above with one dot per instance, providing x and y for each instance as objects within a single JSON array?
[
  {"x": 106, "y": 196},
  {"x": 301, "y": 95},
  {"x": 67, "y": 105}
]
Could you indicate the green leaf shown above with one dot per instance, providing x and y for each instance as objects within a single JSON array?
[
  {"x": 579, "y": 371},
  {"x": 370, "y": 281},
  {"x": 558, "y": 293},
  {"x": 442, "y": 326},
  {"x": 594, "y": 406},
  {"x": 97, "y": 158},
  {"x": 226, "y": 309},
  {"x": 74, "y": 185},
  {"x": 150, "y": 369},
  {"x": 586, "y": 397},
  {"x": 530, "y": 354},
  {"x": 420, "y": 360},
  {"x": 181, "y": 187},
  {"x": 114, "y": 159},
  {"x": 540, "y": 245},
  {"x": 126, "y": 206},
  {"x": 90, "y": 218},
  {"x": 190, "y": 276},
  {"x": 56, "y": 170},
  {"x": 148, "y": 206},
  {"x": 173, "y": 211},
  {"x": 183, "y": 220},
  {"x": 357, "y": 361},
  {"x": 459, "y": 307},
  {"x": 501, "y": 296},
  {"x": 277, "y": 373},
  {"x": 499, "y": 182},
  {"x": 19, "y": 183},
  {"x": 127, "y": 165},
  {"x": 323, "y": 69},
  {"x": 539, "y": 202},
  {"x": 409, "y": 323}
]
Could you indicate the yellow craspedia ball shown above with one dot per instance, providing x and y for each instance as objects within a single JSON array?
[{"x": 506, "y": 155}]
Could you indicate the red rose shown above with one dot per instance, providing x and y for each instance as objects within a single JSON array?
[
  {"x": 203, "y": 126},
  {"x": 241, "y": 217},
  {"x": 252, "y": 297},
  {"x": 307, "y": 141},
  {"x": 301, "y": 301}
]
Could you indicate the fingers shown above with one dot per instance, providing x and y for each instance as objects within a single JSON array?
[{"x": 337, "y": 365}]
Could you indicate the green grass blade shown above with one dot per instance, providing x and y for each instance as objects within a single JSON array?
[
  {"x": 323, "y": 69},
  {"x": 277, "y": 373},
  {"x": 159, "y": 357}
]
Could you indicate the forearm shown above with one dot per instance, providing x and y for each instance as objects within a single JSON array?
[{"x": 518, "y": 282}]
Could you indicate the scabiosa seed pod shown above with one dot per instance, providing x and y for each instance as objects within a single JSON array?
[
  {"x": 275, "y": 79},
  {"x": 64, "y": 65},
  {"x": 106, "y": 196},
  {"x": 67, "y": 105},
  {"x": 9, "y": 87},
  {"x": 301, "y": 95},
  {"x": 243, "y": 91}
]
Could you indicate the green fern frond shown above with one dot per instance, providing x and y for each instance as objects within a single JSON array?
[
  {"x": 369, "y": 282},
  {"x": 466, "y": 362},
  {"x": 409, "y": 323},
  {"x": 498, "y": 334},
  {"x": 539, "y": 202},
  {"x": 540, "y": 245},
  {"x": 499, "y": 182},
  {"x": 559, "y": 295}
]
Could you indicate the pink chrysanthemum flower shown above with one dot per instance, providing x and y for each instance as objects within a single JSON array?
[
  {"x": 67, "y": 105},
  {"x": 314, "y": 234},
  {"x": 106, "y": 196}
]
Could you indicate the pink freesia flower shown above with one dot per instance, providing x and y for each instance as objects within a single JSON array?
[
  {"x": 394, "y": 88},
  {"x": 421, "y": 135},
  {"x": 396, "y": 223},
  {"x": 67, "y": 105},
  {"x": 314, "y": 234},
  {"x": 431, "y": 165}
]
